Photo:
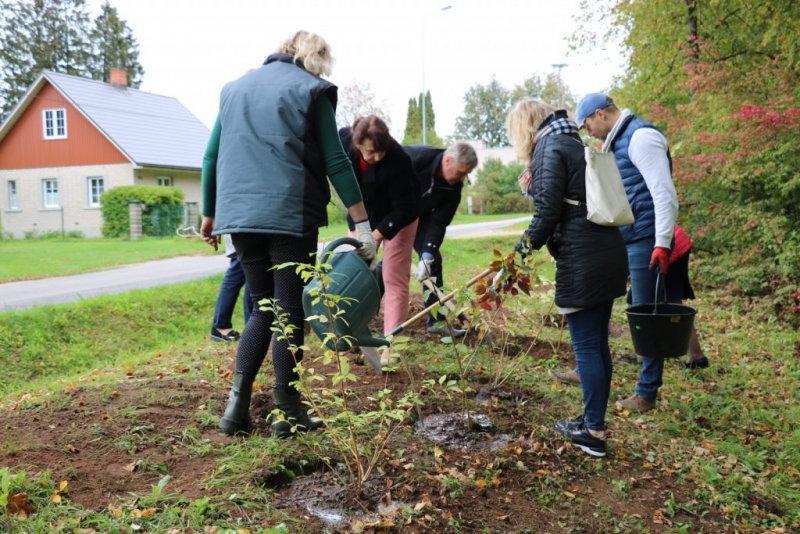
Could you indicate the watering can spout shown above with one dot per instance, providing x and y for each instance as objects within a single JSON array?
[{"x": 366, "y": 339}]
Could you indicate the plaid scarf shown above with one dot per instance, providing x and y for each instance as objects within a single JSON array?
[{"x": 560, "y": 125}]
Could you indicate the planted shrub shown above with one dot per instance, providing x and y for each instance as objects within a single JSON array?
[{"x": 116, "y": 220}]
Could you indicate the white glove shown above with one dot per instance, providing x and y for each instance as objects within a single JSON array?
[
  {"x": 424, "y": 269},
  {"x": 368, "y": 248},
  {"x": 497, "y": 281}
]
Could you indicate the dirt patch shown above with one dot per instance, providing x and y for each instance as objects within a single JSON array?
[{"x": 501, "y": 469}]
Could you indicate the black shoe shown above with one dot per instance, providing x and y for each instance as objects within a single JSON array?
[
  {"x": 233, "y": 335},
  {"x": 444, "y": 332},
  {"x": 702, "y": 363},
  {"x": 582, "y": 438},
  {"x": 569, "y": 424}
]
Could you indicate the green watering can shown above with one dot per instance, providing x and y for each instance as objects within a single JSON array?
[{"x": 351, "y": 279}]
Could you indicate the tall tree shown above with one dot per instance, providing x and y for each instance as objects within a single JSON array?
[
  {"x": 413, "y": 131},
  {"x": 356, "y": 99},
  {"x": 723, "y": 80},
  {"x": 484, "y": 115},
  {"x": 530, "y": 88},
  {"x": 38, "y": 35},
  {"x": 115, "y": 47},
  {"x": 58, "y": 35}
]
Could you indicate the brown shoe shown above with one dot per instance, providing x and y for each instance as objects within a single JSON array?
[
  {"x": 570, "y": 377},
  {"x": 636, "y": 404}
]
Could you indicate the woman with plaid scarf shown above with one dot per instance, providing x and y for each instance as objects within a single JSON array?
[{"x": 591, "y": 260}]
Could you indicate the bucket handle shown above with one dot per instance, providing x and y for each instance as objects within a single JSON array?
[{"x": 658, "y": 279}]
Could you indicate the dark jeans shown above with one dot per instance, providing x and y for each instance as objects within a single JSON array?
[
  {"x": 643, "y": 291},
  {"x": 232, "y": 283},
  {"x": 588, "y": 329},
  {"x": 258, "y": 254}
]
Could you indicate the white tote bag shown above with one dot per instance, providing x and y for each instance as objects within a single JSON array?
[{"x": 606, "y": 200}]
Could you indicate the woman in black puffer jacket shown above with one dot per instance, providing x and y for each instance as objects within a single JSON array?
[{"x": 591, "y": 260}]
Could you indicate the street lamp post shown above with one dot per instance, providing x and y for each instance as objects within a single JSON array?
[
  {"x": 424, "y": 114},
  {"x": 558, "y": 67}
]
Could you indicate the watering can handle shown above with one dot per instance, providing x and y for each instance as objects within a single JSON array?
[{"x": 333, "y": 245}]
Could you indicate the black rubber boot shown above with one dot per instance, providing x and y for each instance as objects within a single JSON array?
[
  {"x": 237, "y": 413},
  {"x": 295, "y": 415}
]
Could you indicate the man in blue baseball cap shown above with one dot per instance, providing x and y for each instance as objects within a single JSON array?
[
  {"x": 589, "y": 104},
  {"x": 643, "y": 158}
]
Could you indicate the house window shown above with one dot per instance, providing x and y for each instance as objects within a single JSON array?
[
  {"x": 95, "y": 185},
  {"x": 55, "y": 123},
  {"x": 13, "y": 200},
  {"x": 164, "y": 181},
  {"x": 50, "y": 193}
]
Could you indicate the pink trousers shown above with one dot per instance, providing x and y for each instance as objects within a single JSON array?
[{"x": 397, "y": 253}]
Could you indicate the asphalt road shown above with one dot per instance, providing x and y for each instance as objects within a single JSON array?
[{"x": 23, "y": 295}]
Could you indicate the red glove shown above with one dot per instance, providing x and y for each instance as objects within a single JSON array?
[{"x": 660, "y": 257}]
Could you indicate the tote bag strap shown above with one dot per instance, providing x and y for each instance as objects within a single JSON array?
[{"x": 570, "y": 201}]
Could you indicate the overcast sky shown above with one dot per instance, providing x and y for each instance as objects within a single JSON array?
[{"x": 191, "y": 48}]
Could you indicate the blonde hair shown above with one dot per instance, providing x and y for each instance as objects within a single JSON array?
[
  {"x": 312, "y": 50},
  {"x": 523, "y": 122}
]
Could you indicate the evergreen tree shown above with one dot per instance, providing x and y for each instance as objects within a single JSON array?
[
  {"x": 413, "y": 131},
  {"x": 57, "y": 35},
  {"x": 38, "y": 35},
  {"x": 115, "y": 47},
  {"x": 413, "y": 123}
]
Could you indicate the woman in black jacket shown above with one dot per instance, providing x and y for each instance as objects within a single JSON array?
[
  {"x": 391, "y": 195},
  {"x": 591, "y": 260}
]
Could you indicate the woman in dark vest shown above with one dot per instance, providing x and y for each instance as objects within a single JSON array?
[
  {"x": 388, "y": 184},
  {"x": 265, "y": 182},
  {"x": 591, "y": 260}
]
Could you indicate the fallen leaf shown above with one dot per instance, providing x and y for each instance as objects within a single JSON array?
[
  {"x": 19, "y": 505},
  {"x": 569, "y": 495},
  {"x": 423, "y": 503}
]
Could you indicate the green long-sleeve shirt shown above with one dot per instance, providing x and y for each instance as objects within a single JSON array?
[{"x": 337, "y": 165}]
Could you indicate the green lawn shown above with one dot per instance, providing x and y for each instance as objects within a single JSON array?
[
  {"x": 340, "y": 229},
  {"x": 28, "y": 259}
]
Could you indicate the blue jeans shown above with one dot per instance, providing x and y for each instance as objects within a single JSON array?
[
  {"x": 232, "y": 282},
  {"x": 643, "y": 287},
  {"x": 588, "y": 329}
]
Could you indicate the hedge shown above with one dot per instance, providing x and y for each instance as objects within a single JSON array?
[{"x": 114, "y": 202}]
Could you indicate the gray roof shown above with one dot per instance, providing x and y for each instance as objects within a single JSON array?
[{"x": 151, "y": 130}]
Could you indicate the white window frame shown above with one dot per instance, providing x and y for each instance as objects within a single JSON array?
[
  {"x": 93, "y": 192},
  {"x": 54, "y": 123},
  {"x": 164, "y": 181},
  {"x": 13, "y": 195},
  {"x": 46, "y": 191}
]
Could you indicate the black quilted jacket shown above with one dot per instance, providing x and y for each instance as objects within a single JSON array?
[{"x": 591, "y": 260}]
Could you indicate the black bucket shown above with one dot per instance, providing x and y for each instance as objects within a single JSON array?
[{"x": 661, "y": 330}]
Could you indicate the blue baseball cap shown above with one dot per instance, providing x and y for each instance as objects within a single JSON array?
[{"x": 589, "y": 104}]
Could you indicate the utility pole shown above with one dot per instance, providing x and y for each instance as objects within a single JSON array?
[{"x": 558, "y": 67}]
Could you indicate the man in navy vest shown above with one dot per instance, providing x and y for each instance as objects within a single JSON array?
[{"x": 642, "y": 154}]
